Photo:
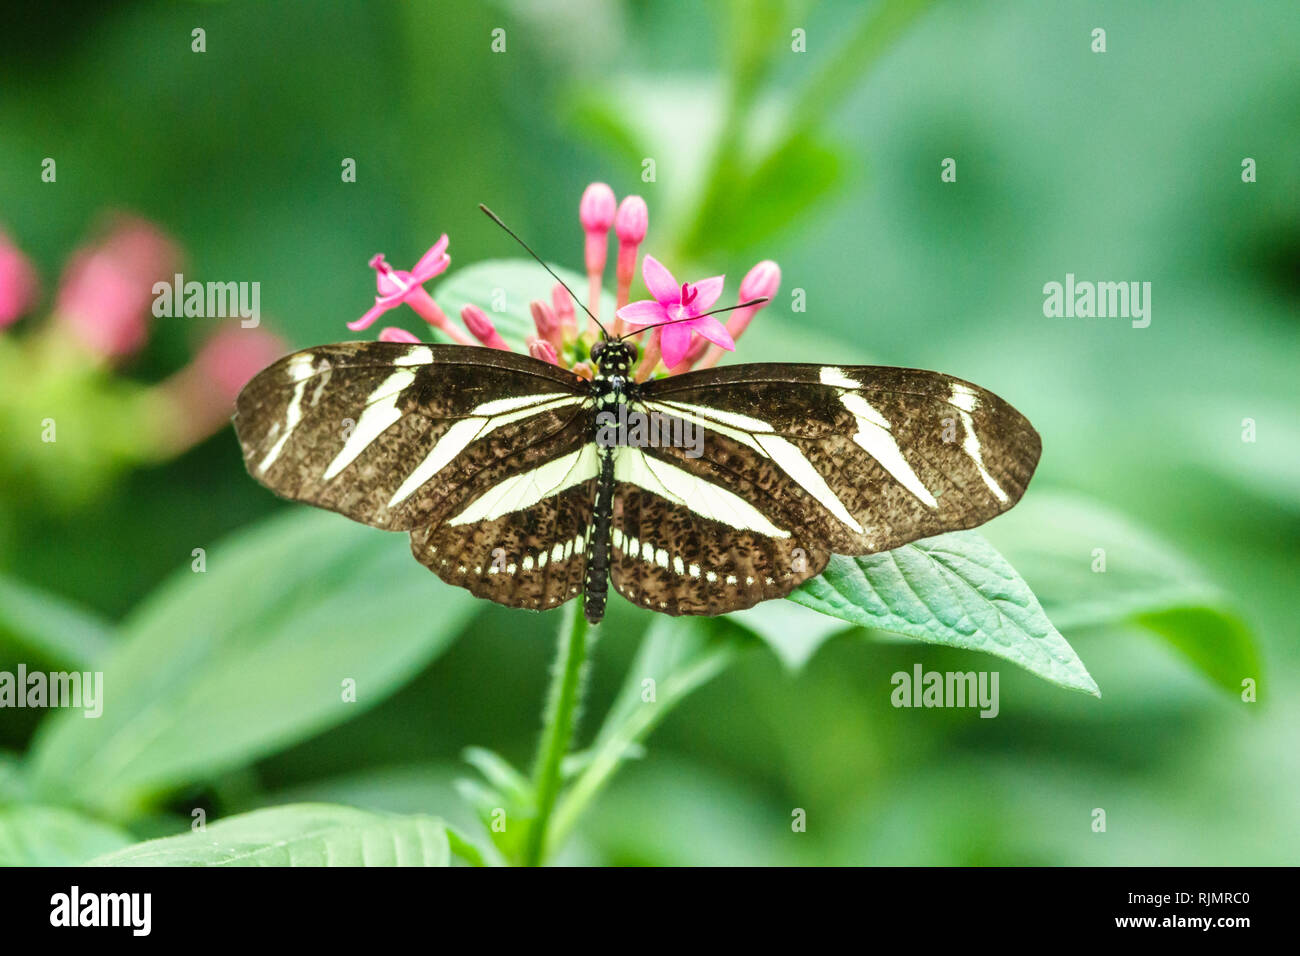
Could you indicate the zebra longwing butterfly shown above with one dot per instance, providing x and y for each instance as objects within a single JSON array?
[{"x": 490, "y": 460}]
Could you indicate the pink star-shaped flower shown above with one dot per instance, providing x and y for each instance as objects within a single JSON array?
[
  {"x": 682, "y": 307},
  {"x": 397, "y": 286}
]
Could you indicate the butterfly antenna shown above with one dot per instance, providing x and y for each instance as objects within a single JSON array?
[
  {"x": 497, "y": 219},
  {"x": 725, "y": 308}
]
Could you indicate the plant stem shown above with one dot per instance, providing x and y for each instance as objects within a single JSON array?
[
  {"x": 557, "y": 731},
  {"x": 611, "y": 751}
]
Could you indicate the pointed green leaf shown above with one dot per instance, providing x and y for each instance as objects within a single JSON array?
[
  {"x": 53, "y": 836},
  {"x": 51, "y": 628},
  {"x": 303, "y": 834},
  {"x": 954, "y": 589},
  {"x": 1094, "y": 568},
  {"x": 220, "y": 668}
]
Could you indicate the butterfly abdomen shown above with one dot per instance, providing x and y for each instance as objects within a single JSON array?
[{"x": 597, "y": 580}]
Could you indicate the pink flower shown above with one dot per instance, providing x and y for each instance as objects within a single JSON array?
[
  {"x": 234, "y": 355},
  {"x": 18, "y": 285},
  {"x": 396, "y": 286},
  {"x": 106, "y": 292},
  {"x": 394, "y": 334},
  {"x": 682, "y": 306},
  {"x": 761, "y": 282}
]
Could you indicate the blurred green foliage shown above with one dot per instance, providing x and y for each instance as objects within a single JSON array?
[{"x": 1123, "y": 165}]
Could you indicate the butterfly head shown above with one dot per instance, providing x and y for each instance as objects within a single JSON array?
[{"x": 613, "y": 357}]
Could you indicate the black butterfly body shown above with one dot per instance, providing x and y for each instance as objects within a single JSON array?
[{"x": 493, "y": 461}]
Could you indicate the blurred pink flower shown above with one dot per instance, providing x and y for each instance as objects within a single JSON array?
[
  {"x": 198, "y": 400},
  {"x": 683, "y": 307},
  {"x": 18, "y": 283},
  {"x": 106, "y": 291},
  {"x": 392, "y": 334},
  {"x": 233, "y": 355}
]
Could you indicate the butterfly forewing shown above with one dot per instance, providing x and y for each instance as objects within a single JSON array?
[
  {"x": 400, "y": 436},
  {"x": 858, "y": 459}
]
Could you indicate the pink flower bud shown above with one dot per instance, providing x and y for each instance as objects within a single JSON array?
[
  {"x": 547, "y": 323},
  {"x": 563, "y": 304},
  {"x": 481, "y": 327},
  {"x": 761, "y": 282},
  {"x": 392, "y": 334},
  {"x": 630, "y": 225},
  {"x": 18, "y": 284},
  {"x": 632, "y": 220},
  {"x": 106, "y": 292},
  {"x": 596, "y": 212},
  {"x": 543, "y": 350}
]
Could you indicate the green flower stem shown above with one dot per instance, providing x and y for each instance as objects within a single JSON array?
[
  {"x": 567, "y": 685},
  {"x": 613, "y": 748}
]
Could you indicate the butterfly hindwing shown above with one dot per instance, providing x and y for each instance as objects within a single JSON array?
[
  {"x": 530, "y": 558},
  {"x": 669, "y": 557}
]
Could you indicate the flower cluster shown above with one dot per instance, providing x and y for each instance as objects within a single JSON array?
[
  {"x": 64, "y": 375},
  {"x": 672, "y": 328}
]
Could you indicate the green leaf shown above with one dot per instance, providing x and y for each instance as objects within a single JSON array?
[
  {"x": 794, "y": 633},
  {"x": 53, "y": 836},
  {"x": 505, "y": 823},
  {"x": 1065, "y": 542},
  {"x": 956, "y": 590},
  {"x": 304, "y": 834},
  {"x": 51, "y": 628},
  {"x": 1268, "y": 464},
  {"x": 503, "y": 288},
  {"x": 13, "y": 782},
  {"x": 218, "y": 669},
  {"x": 672, "y": 812},
  {"x": 758, "y": 205}
]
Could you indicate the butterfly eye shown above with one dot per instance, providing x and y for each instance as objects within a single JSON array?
[{"x": 596, "y": 350}]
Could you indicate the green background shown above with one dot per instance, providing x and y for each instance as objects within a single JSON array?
[{"x": 1123, "y": 165}]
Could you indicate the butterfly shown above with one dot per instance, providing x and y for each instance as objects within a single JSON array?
[{"x": 512, "y": 484}]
